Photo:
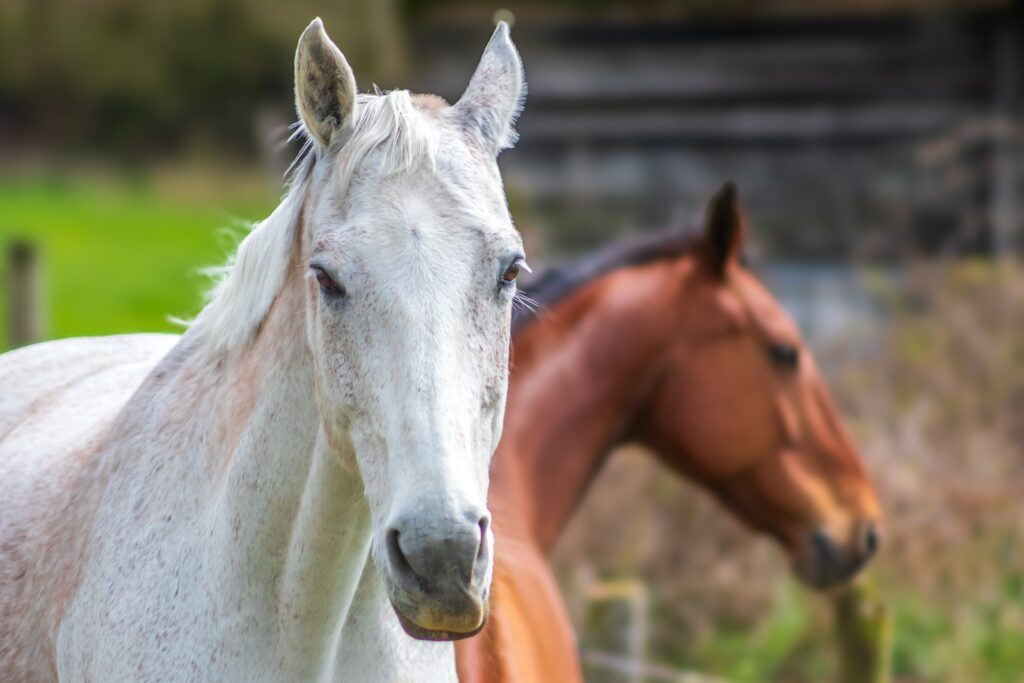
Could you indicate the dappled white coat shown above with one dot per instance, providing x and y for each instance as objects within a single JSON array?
[{"x": 215, "y": 507}]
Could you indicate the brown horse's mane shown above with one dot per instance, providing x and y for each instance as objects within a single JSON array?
[{"x": 552, "y": 285}]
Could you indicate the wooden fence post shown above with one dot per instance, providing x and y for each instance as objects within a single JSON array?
[
  {"x": 864, "y": 634},
  {"x": 24, "y": 319},
  {"x": 633, "y": 596}
]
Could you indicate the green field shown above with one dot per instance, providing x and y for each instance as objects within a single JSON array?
[{"x": 125, "y": 256}]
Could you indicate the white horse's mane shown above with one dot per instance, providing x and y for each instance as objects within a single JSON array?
[{"x": 247, "y": 286}]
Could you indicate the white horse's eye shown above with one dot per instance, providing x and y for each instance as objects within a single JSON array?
[
  {"x": 327, "y": 284},
  {"x": 512, "y": 271}
]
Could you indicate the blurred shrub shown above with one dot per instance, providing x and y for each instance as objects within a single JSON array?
[
  {"x": 136, "y": 76},
  {"x": 142, "y": 77}
]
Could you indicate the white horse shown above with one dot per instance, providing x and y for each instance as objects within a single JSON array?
[{"x": 260, "y": 498}]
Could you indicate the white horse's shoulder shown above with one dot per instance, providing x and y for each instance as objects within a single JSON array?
[
  {"x": 39, "y": 363},
  {"x": 69, "y": 390},
  {"x": 30, "y": 374}
]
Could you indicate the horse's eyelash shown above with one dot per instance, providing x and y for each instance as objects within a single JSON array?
[{"x": 524, "y": 302}]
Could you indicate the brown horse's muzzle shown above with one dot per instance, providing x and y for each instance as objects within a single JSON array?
[{"x": 822, "y": 562}]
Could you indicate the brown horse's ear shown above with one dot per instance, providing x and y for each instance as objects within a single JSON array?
[{"x": 723, "y": 229}]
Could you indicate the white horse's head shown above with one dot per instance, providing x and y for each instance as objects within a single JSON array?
[{"x": 412, "y": 258}]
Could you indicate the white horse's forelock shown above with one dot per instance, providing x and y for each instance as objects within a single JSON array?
[{"x": 247, "y": 286}]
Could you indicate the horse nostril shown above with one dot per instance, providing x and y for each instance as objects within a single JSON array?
[
  {"x": 871, "y": 540},
  {"x": 430, "y": 557},
  {"x": 399, "y": 562},
  {"x": 484, "y": 523},
  {"x": 823, "y": 547}
]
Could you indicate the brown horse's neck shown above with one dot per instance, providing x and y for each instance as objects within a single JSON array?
[{"x": 580, "y": 373}]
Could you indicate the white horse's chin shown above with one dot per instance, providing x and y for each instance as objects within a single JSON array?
[{"x": 436, "y": 619}]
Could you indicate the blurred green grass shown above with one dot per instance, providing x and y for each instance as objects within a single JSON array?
[
  {"x": 795, "y": 642},
  {"x": 125, "y": 255}
]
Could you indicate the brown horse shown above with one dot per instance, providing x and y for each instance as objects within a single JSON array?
[{"x": 671, "y": 343}]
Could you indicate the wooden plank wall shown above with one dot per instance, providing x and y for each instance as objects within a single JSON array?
[{"x": 865, "y": 137}]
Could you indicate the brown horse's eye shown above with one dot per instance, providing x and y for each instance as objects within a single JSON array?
[
  {"x": 784, "y": 356},
  {"x": 327, "y": 284}
]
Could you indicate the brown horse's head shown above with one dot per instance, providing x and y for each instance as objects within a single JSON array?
[{"x": 741, "y": 407}]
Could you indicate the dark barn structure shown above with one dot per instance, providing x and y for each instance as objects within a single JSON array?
[{"x": 866, "y": 137}]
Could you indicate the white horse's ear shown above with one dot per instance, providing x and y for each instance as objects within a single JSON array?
[
  {"x": 325, "y": 89},
  {"x": 495, "y": 94}
]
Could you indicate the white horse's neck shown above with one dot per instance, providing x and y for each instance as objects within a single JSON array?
[{"x": 290, "y": 524}]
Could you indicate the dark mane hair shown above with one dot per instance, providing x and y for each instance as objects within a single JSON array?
[{"x": 547, "y": 288}]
